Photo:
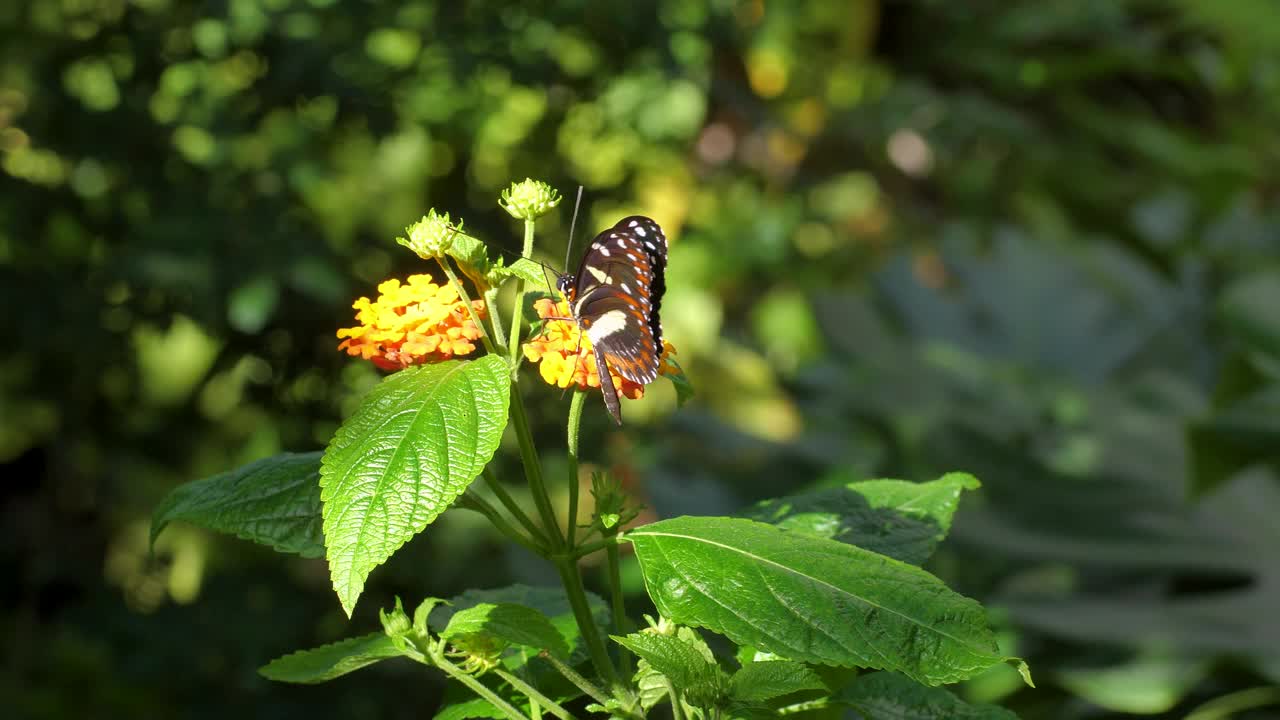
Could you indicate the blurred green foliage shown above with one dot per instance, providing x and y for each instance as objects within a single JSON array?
[{"x": 1036, "y": 241}]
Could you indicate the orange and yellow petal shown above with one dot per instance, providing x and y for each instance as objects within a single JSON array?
[
  {"x": 411, "y": 323},
  {"x": 565, "y": 358}
]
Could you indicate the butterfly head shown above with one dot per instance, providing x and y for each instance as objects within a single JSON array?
[{"x": 565, "y": 284}]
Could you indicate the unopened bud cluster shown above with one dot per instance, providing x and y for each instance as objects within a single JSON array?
[{"x": 529, "y": 200}]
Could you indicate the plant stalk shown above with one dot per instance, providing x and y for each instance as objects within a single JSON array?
[
  {"x": 575, "y": 422},
  {"x": 517, "y": 312},
  {"x": 572, "y": 581},
  {"x": 477, "y": 687},
  {"x": 533, "y": 471},
  {"x": 615, "y": 596},
  {"x": 475, "y": 502},
  {"x": 537, "y": 698},
  {"x": 512, "y": 506},
  {"x": 495, "y": 318},
  {"x": 677, "y": 707},
  {"x": 466, "y": 300}
]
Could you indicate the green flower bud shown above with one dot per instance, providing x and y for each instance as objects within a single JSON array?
[
  {"x": 396, "y": 623},
  {"x": 431, "y": 236},
  {"x": 529, "y": 200}
]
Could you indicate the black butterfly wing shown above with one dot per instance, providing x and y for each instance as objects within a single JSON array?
[{"x": 616, "y": 297}]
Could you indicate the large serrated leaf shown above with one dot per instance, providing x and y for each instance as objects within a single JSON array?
[
  {"x": 760, "y": 681},
  {"x": 412, "y": 447},
  {"x": 327, "y": 662},
  {"x": 274, "y": 501},
  {"x": 887, "y": 696},
  {"x": 810, "y": 599},
  {"x": 901, "y": 519},
  {"x": 513, "y": 623}
]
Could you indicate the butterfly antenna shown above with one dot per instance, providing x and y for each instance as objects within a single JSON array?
[{"x": 572, "y": 224}]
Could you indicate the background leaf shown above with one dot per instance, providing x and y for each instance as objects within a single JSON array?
[
  {"x": 414, "y": 445},
  {"x": 888, "y": 696},
  {"x": 330, "y": 661},
  {"x": 901, "y": 519},
  {"x": 274, "y": 501},
  {"x": 513, "y": 623},
  {"x": 891, "y": 615}
]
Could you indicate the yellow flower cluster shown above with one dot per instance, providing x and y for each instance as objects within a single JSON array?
[
  {"x": 565, "y": 357},
  {"x": 412, "y": 323}
]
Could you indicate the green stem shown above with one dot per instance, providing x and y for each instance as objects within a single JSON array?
[
  {"x": 477, "y": 687},
  {"x": 495, "y": 318},
  {"x": 475, "y": 502},
  {"x": 512, "y": 506},
  {"x": 583, "y": 684},
  {"x": 572, "y": 581},
  {"x": 677, "y": 707},
  {"x": 533, "y": 470},
  {"x": 615, "y": 594},
  {"x": 466, "y": 300},
  {"x": 804, "y": 706},
  {"x": 532, "y": 693},
  {"x": 586, "y": 549},
  {"x": 575, "y": 421},
  {"x": 517, "y": 312}
]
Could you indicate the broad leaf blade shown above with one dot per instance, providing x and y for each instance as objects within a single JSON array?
[
  {"x": 516, "y": 624},
  {"x": 413, "y": 446},
  {"x": 761, "y": 681},
  {"x": 887, "y": 696},
  {"x": 674, "y": 657},
  {"x": 901, "y": 519},
  {"x": 810, "y": 599},
  {"x": 274, "y": 501},
  {"x": 327, "y": 662}
]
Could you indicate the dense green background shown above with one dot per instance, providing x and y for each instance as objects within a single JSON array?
[{"x": 1037, "y": 241}]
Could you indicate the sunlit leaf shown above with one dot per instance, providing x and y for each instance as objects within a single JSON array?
[
  {"x": 412, "y": 447},
  {"x": 274, "y": 501},
  {"x": 330, "y": 661},
  {"x": 780, "y": 591}
]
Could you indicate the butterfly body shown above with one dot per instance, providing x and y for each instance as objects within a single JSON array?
[{"x": 615, "y": 297}]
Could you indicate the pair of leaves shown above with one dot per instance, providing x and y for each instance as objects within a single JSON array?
[
  {"x": 507, "y": 622},
  {"x": 687, "y": 662},
  {"x": 473, "y": 257},
  {"x": 414, "y": 445},
  {"x": 811, "y": 599}
]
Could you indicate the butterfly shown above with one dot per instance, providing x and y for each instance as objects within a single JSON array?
[{"x": 615, "y": 296}]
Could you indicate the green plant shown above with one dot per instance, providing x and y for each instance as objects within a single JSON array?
[{"x": 808, "y": 587}]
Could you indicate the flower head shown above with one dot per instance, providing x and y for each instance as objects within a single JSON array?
[
  {"x": 565, "y": 357},
  {"x": 413, "y": 323},
  {"x": 431, "y": 236},
  {"x": 529, "y": 200}
]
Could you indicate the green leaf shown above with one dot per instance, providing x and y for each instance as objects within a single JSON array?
[
  {"x": 683, "y": 662},
  {"x": 810, "y": 599},
  {"x": 550, "y": 601},
  {"x": 1249, "y": 308},
  {"x": 887, "y": 696},
  {"x": 760, "y": 681},
  {"x": 274, "y": 501},
  {"x": 472, "y": 257},
  {"x": 327, "y": 662},
  {"x": 901, "y": 519},
  {"x": 412, "y": 447},
  {"x": 513, "y": 623},
  {"x": 523, "y": 268},
  {"x": 684, "y": 388}
]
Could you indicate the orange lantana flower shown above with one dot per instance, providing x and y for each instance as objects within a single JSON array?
[
  {"x": 410, "y": 324},
  {"x": 558, "y": 363}
]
